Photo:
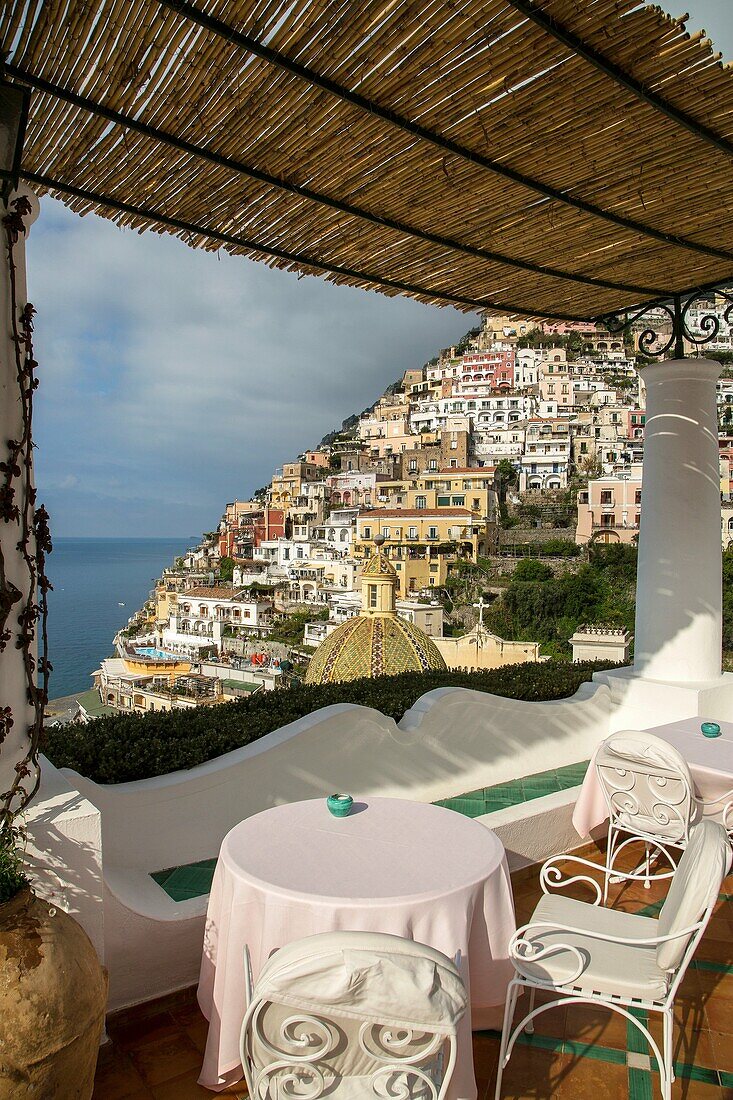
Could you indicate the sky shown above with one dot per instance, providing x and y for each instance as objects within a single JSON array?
[{"x": 174, "y": 380}]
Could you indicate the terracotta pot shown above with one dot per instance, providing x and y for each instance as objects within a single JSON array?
[{"x": 53, "y": 994}]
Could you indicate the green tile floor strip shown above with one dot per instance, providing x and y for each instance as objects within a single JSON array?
[
  {"x": 189, "y": 881},
  {"x": 487, "y": 800}
]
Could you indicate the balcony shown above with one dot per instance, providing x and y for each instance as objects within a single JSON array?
[{"x": 151, "y": 940}]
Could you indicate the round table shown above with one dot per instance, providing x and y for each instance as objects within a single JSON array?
[{"x": 407, "y": 868}]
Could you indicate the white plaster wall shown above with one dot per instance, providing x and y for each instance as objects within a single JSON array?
[
  {"x": 535, "y": 830},
  {"x": 453, "y": 740},
  {"x": 64, "y": 851}
]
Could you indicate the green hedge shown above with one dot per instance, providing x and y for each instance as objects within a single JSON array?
[{"x": 132, "y": 746}]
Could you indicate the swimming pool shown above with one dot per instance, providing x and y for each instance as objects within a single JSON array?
[{"x": 156, "y": 654}]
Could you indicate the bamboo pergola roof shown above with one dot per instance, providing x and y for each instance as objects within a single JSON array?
[{"x": 563, "y": 158}]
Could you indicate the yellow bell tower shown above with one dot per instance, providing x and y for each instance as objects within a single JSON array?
[{"x": 378, "y": 583}]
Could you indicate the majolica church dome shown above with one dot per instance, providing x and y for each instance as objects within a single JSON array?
[{"x": 377, "y": 642}]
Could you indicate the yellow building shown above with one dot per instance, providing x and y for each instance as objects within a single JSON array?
[
  {"x": 422, "y": 542},
  {"x": 288, "y": 481},
  {"x": 447, "y": 488},
  {"x": 376, "y": 642}
]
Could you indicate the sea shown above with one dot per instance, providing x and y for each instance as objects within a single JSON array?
[{"x": 97, "y": 585}]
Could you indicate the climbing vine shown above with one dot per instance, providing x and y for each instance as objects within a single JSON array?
[{"x": 29, "y": 604}]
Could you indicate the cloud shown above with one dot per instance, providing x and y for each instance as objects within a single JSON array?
[{"x": 174, "y": 380}]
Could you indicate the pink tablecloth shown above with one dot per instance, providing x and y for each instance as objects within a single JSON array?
[
  {"x": 710, "y": 761},
  {"x": 406, "y": 868}
]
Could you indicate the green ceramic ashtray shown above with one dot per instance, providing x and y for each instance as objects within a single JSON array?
[
  {"x": 710, "y": 729},
  {"x": 339, "y": 804}
]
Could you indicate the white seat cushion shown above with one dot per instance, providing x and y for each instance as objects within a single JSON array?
[
  {"x": 697, "y": 880},
  {"x": 618, "y": 969}
]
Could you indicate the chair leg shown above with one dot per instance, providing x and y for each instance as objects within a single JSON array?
[
  {"x": 647, "y": 867},
  {"x": 511, "y": 1001},
  {"x": 668, "y": 1022},
  {"x": 609, "y": 861},
  {"x": 529, "y": 1029}
]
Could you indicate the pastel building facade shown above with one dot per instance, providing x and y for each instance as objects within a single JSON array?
[{"x": 609, "y": 509}]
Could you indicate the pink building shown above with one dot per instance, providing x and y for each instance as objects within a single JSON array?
[
  {"x": 635, "y": 422},
  {"x": 495, "y": 367},
  {"x": 609, "y": 509}
]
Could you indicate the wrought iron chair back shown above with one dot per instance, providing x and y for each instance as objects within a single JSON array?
[
  {"x": 351, "y": 1013},
  {"x": 647, "y": 786},
  {"x": 650, "y": 797}
]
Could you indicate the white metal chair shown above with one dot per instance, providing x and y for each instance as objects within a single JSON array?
[
  {"x": 590, "y": 954},
  {"x": 352, "y": 1014},
  {"x": 650, "y": 797}
]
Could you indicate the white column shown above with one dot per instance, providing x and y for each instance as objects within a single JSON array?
[
  {"x": 678, "y": 588},
  {"x": 12, "y": 673}
]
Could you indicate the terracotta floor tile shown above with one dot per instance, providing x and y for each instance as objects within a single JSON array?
[
  {"x": 198, "y": 1033},
  {"x": 695, "y": 1048},
  {"x": 719, "y": 1013},
  {"x": 532, "y": 1074},
  {"x": 188, "y": 1014},
  {"x": 716, "y": 950},
  {"x": 182, "y": 1088},
  {"x": 116, "y": 1077},
  {"x": 485, "y": 1055},
  {"x": 166, "y": 1058},
  {"x": 597, "y": 1026},
  {"x": 146, "y": 1029},
  {"x": 586, "y": 1078},
  {"x": 723, "y": 1049},
  {"x": 687, "y": 1089},
  {"x": 712, "y": 981}
]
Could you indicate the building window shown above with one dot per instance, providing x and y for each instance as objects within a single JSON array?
[
  {"x": 432, "y": 532},
  {"x": 385, "y": 532},
  {"x": 412, "y": 532},
  {"x": 421, "y": 502},
  {"x": 443, "y": 502},
  {"x": 372, "y": 595},
  {"x": 367, "y": 532},
  {"x": 637, "y": 496},
  {"x": 606, "y": 496},
  {"x": 458, "y": 502}
]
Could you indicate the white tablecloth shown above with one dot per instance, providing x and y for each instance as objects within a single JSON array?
[
  {"x": 407, "y": 868},
  {"x": 710, "y": 760}
]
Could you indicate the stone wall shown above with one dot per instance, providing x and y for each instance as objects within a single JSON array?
[{"x": 510, "y": 535}]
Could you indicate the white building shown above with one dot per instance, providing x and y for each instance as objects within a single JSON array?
[
  {"x": 204, "y": 613},
  {"x": 490, "y": 446},
  {"x": 546, "y": 455}
]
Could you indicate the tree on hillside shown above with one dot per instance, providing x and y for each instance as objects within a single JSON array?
[
  {"x": 529, "y": 569},
  {"x": 506, "y": 476}
]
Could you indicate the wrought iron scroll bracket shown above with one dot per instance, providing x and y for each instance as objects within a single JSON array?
[{"x": 668, "y": 326}]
